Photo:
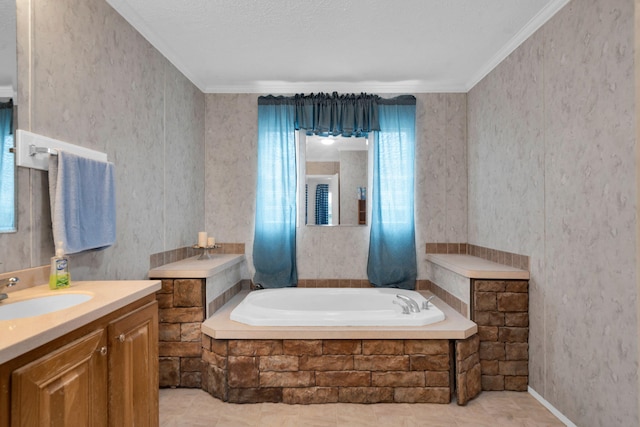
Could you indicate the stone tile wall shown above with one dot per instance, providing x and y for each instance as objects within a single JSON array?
[
  {"x": 468, "y": 369},
  {"x": 501, "y": 310},
  {"x": 329, "y": 371},
  {"x": 181, "y": 313}
]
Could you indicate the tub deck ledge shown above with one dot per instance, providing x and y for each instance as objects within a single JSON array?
[{"x": 455, "y": 326}]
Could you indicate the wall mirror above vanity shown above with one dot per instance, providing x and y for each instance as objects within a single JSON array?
[
  {"x": 334, "y": 184},
  {"x": 8, "y": 88}
]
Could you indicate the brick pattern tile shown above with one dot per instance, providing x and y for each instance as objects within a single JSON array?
[
  {"x": 501, "y": 310},
  {"x": 468, "y": 369},
  {"x": 330, "y": 371},
  {"x": 182, "y": 346},
  {"x": 180, "y": 341}
]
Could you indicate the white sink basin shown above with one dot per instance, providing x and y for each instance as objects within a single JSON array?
[{"x": 40, "y": 305}]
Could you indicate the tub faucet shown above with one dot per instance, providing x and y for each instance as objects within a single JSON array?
[
  {"x": 405, "y": 308},
  {"x": 7, "y": 283},
  {"x": 413, "y": 305},
  {"x": 425, "y": 304}
]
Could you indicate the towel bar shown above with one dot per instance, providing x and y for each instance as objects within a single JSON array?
[
  {"x": 29, "y": 145},
  {"x": 33, "y": 150}
]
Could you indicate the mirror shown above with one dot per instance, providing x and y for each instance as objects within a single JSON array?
[
  {"x": 8, "y": 88},
  {"x": 336, "y": 176}
]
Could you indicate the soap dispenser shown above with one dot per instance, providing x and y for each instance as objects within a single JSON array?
[{"x": 59, "y": 276}]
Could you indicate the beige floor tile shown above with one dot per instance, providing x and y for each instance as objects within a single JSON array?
[
  {"x": 327, "y": 411},
  {"x": 196, "y": 408},
  {"x": 308, "y": 421},
  {"x": 278, "y": 420}
]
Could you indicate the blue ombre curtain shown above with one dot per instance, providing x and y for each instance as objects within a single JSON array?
[
  {"x": 322, "y": 204},
  {"x": 7, "y": 174},
  {"x": 274, "y": 243},
  {"x": 392, "y": 247}
]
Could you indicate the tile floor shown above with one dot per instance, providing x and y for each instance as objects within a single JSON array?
[{"x": 193, "y": 407}]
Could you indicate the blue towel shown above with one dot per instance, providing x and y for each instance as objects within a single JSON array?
[{"x": 83, "y": 209}]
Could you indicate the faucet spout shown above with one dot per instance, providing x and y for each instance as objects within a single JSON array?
[
  {"x": 7, "y": 283},
  {"x": 413, "y": 305}
]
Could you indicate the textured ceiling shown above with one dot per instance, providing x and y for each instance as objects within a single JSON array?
[{"x": 287, "y": 46}]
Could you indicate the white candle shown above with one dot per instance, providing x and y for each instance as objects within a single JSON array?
[
  {"x": 211, "y": 241},
  {"x": 202, "y": 239}
]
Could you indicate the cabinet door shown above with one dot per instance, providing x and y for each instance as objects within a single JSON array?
[
  {"x": 66, "y": 388},
  {"x": 133, "y": 368}
]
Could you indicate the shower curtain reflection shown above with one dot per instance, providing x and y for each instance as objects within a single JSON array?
[{"x": 7, "y": 169}]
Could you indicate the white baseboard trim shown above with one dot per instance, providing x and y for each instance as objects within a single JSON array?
[{"x": 551, "y": 408}]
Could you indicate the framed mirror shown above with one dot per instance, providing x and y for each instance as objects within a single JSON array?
[
  {"x": 335, "y": 178},
  {"x": 8, "y": 89}
]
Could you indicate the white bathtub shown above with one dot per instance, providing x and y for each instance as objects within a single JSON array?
[{"x": 331, "y": 307}]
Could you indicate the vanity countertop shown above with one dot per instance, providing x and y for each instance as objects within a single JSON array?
[
  {"x": 194, "y": 268},
  {"x": 19, "y": 336},
  {"x": 477, "y": 268}
]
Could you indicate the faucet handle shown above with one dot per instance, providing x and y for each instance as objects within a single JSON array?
[
  {"x": 425, "y": 304},
  {"x": 11, "y": 281}
]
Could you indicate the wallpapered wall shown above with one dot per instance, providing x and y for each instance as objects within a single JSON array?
[
  {"x": 337, "y": 252},
  {"x": 96, "y": 82},
  {"x": 550, "y": 160},
  {"x": 552, "y": 175}
]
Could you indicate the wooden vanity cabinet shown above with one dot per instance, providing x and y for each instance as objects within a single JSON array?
[
  {"x": 133, "y": 378},
  {"x": 103, "y": 374},
  {"x": 65, "y": 388}
]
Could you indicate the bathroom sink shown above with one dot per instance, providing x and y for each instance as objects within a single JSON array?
[{"x": 40, "y": 305}]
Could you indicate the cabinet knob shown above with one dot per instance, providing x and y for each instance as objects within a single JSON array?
[
  {"x": 103, "y": 350},
  {"x": 121, "y": 337}
]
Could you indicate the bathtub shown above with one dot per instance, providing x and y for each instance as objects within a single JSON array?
[{"x": 331, "y": 307}]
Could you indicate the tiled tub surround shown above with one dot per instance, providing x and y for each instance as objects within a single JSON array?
[
  {"x": 191, "y": 288},
  {"x": 501, "y": 257},
  {"x": 161, "y": 258},
  {"x": 449, "y": 277},
  {"x": 497, "y": 298},
  {"x": 304, "y": 365}
]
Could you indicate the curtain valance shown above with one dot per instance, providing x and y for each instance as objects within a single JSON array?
[{"x": 336, "y": 114}]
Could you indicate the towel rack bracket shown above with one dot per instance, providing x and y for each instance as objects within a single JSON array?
[{"x": 29, "y": 145}]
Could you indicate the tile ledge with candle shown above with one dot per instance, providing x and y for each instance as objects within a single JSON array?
[{"x": 202, "y": 239}]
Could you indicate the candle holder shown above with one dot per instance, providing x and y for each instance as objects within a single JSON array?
[{"x": 205, "y": 251}]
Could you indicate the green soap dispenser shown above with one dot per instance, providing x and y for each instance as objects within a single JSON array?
[{"x": 59, "y": 276}]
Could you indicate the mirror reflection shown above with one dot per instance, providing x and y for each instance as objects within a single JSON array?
[
  {"x": 8, "y": 88},
  {"x": 336, "y": 173}
]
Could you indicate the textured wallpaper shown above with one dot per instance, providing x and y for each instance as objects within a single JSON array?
[
  {"x": 552, "y": 175},
  {"x": 96, "y": 82},
  {"x": 337, "y": 252}
]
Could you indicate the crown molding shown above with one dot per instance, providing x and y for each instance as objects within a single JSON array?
[
  {"x": 342, "y": 87},
  {"x": 414, "y": 86},
  {"x": 133, "y": 18},
  {"x": 544, "y": 15},
  {"x": 8, "y": 92}
]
